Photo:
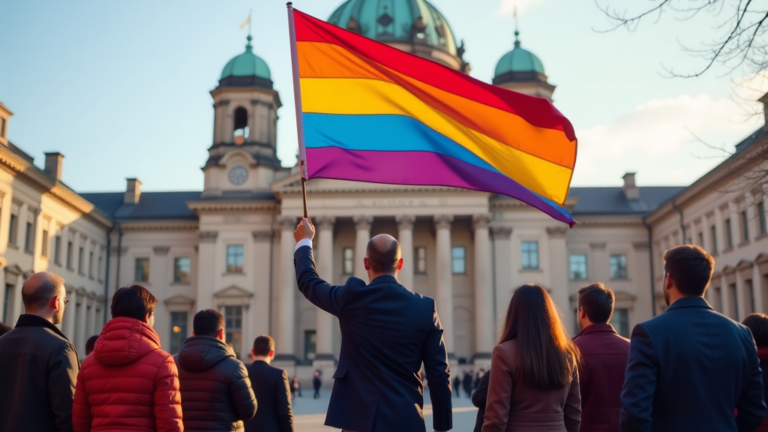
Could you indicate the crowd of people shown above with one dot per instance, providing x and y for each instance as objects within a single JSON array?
[{"x": 688, "y": 369}]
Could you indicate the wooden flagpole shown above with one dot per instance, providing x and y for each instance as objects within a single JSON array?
[{"x": 297, "y": 103}]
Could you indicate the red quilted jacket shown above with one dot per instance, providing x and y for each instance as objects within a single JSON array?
[{"x": 128, "y": 383}]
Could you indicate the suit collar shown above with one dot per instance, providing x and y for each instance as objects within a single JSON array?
[
  {"x": 29, "y": 320},
  {"x": 597, "y": 328},
  {"x": 689, "y": 302},
  {"x": 384, "y": 279}
]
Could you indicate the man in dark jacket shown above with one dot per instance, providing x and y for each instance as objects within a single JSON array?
[
  {"x": 272, "y": 390},
  {"x": 690, "y": 367},
  {"x": 468, "y": 381},
  {"x": 38, "y": 365},
  {"x": 604, "y": 359},
  {"x": 216, "y": 392},
  {"x": 387, "y": 332},
  {"x": 457, "y": 386}
]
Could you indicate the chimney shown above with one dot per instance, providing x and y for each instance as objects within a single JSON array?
[
  {"x": 764, "y": 101},
  {"x": 133, "y": 192},
  {"x": 5, "y": 114},
  {"x": 630, "y": 189},
  {"x": 53, "y": 164}
]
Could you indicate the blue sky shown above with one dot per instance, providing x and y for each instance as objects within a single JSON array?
[{"x": 121, "y": 88}]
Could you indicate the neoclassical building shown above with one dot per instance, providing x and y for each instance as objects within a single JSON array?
[{"x": 230, "y": 246}]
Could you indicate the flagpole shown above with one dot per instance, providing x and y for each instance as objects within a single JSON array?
[{"x": 297, "y": 103}]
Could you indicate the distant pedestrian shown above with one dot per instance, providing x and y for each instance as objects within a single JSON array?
[
  {"x": 690, "y": 367},
  {"x": 142, "y": 390},
  {"x": 216, "y": 393},
  {"x": 457, "y": 386},
  {"x": 468, "y": 383},
  {"x": 90, "y": 344},
  {"x": 295, "y": 387},
  {"x": 4, "y": 329},
  {"x": 478, "y": 377},
  {"x": 38, "y": 364},
  {"x": 604, "y": 359},
  {"x": 757, "y": 323},
  {"x": 317, "y": 382},
  {"x": 271, "y": 387}
]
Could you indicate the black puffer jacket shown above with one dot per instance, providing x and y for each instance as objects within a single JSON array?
[{"x": 216, "y": 392}]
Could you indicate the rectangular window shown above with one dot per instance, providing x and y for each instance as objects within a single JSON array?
[
  {"x": 530, "y": 254},
  {"x": 310, "y": 345},
  {"x": 90, "y": 265},
  {"x": 141, "y": 271},
  {"x": 459, "y": 257},
  {"x": 29, "y": 244},
  {"x": 98, "y": 269},
  {"x": 57, "y": 249},
  {"x": 744, "y": 226},
  {"x": 12, "y": 228},
  {"x": 701, "y": 239},
  {"x": 235, "y": 259},
  {"x": 233, "y": 325},
  {"x": 732, "y": 298},
  {"x": 81, "y": 260},
  {"x": 421, "y": 260},
  {"x": 618, "y": 266},
  {"x": 178, "y": 330},
  {"x": 751, "y": 292},
  {"x": 761, "y": 217},
  {"x": 2, "y": 127},
  {"x": 348, "y": 264},
  {"x": 578, "y": 265},
  {"x": 69, "y": 255},
  {"x": 620, "y": 321},
  {"x": 7, "y": 301},
  {"x": 44, "y": 250},
  {"x": 728, "y": 233},
  {"x": 714, "y": 239},
  {"x": 181, "y": 270}
]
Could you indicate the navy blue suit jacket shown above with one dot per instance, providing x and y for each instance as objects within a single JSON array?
[
  {"x": 688, "y": 369},
  {"x": 386, "y": 334}
]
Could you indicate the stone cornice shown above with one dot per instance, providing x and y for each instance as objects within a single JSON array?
[
  {"x": 588, "y": 221},
  {"x": 159, "y": 225},
  {"x": 202, "y": 206},
  {"x": 30, "y": 172},
  {"x": 292, "y": 185}
]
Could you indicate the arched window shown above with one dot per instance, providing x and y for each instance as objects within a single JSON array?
[{"x": 241, "y": 125}]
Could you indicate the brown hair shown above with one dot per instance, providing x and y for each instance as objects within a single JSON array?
[
  {"x": 757, "y": 323},
  {"x": 263, "y": 344},
  {"x": 597, "y": 302},
  {"x": 134, "y": 301},
  {"x": 546, "y": 355},
  {"x": 690, "y": 267}
]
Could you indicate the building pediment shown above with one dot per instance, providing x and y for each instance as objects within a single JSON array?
[
  {"x": 761, "y": 258},
  {"x": 179, "y": 300},
  {"x": 744, "y": 265},
  {"x": 233, "y": 291}
]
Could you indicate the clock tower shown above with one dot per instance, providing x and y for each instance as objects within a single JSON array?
[{"x": 243, "y": 156}]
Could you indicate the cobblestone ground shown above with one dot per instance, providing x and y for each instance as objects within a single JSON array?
[{"x": 309, "y": 414}]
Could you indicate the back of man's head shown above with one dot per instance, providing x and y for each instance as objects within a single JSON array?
[
  {"x": 208, "y": 322},
  {"x": 758, "y": 325},
  {"x": 383, "y": 254},
  {"x": 263, "y": 345},
  {"x": 90, "y": 344},
  {"x": 133, "y": 302},
  {"x": 39, "y": 289},
  {"x": 690, "y": 268},
  {"x": 597, "y": 302}
]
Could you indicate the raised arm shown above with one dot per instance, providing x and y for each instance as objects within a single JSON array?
[
  {"x": 751, "y": 406},
  {"x": 639, "y": 383},
  {"x": 323, "y": 295},
  {"x": 438, "y": 373}
]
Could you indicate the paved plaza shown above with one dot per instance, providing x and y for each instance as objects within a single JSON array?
[{"x": 309, "y": 414}]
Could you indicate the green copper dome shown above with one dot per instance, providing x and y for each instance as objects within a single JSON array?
[
  {"x": 391, "y": 21},
  {"x": 246, "y": 64},
  {"x": 519, "y": 60}
]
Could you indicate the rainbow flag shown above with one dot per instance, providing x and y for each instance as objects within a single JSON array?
[{"x": 373, "y": 113}]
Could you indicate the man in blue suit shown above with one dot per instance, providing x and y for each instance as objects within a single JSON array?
[
  {"x": 387, "y": 332},
  {"x": 690, "y": 368}
]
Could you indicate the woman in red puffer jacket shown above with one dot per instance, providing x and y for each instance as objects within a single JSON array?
[
  {"x": 129, "y": 383},
  {"x": 758, "y": 324}
]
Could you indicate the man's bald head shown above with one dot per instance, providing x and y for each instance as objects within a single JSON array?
[
  {"x": 39, "y": 289},
  {"x": 383, "y": 254}
]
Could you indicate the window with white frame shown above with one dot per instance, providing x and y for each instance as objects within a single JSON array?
[
  {"x": 421, "y": 260},
  {"x": 178, "y": 330},
  {"x": 348, "y": 261},
  {"x": 459, "y": 258},
  {"x": 578, "y": 266},
  {"x": 744, "y": 226},
  {"x": 618, "y": 264},
  {"x": 233, "y": 327},
  {"x": 235, "y": 259},
  {"x": 141, "y": 270},
  {"x": 530, "y": 255},
  {"x": 181, "y": 269},
  {"x": 620, "y": 321}
]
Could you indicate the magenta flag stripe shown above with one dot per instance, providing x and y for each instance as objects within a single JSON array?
[{"x": 420, "y": 168}]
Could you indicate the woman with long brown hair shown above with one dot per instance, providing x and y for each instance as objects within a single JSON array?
[{"x": 534, "y": 382}]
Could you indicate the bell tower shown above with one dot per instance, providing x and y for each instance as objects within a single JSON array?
[{"x": 243, "y": 156}]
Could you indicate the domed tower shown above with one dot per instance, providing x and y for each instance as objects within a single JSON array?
[
  {"x": 414, "y": 26},
  {"x": 243, "y": 155},
  {"x": 520, "y": 70}
]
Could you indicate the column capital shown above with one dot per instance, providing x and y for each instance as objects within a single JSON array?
[
  {"x": 363, "y": 222},
  {"x": 161, "y": 250},
  {"x": 405, "y": 222},
  {"x": 207, "y": 236},
  {"x": 501, "y": 232},
  {"x": 443, "y": 221},
  {"x": 287, "y": 223},
  {"x": 557, "y": 232},
  {"x": 262, "y": 235},
  {"x": 325, "y": 222},
  {"x": 481, "y": 221}
]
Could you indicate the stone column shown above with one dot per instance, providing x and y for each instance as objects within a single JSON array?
[
  {"x": 81, "y": 318},
  {"x": 444, "y": 279},
  {"x": 502, "y": 265},
  {"x": 484, "y": 328},
  {"x": 363, "y": 227},
  {"x": 206, "y": 269},
  {"x": 324, "y": 254},
  {"x": 725, "y": 296},
  {"x": 90, "y": 325},
  {"x": 69, "y": 314},
  {"x": 286, "y": 300},
  {"x": 757, "y": 286},
  {"x": 405, "y": 237},
  {"x": 558, "y": 264},
  {"x": 720, "y": 235}
]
